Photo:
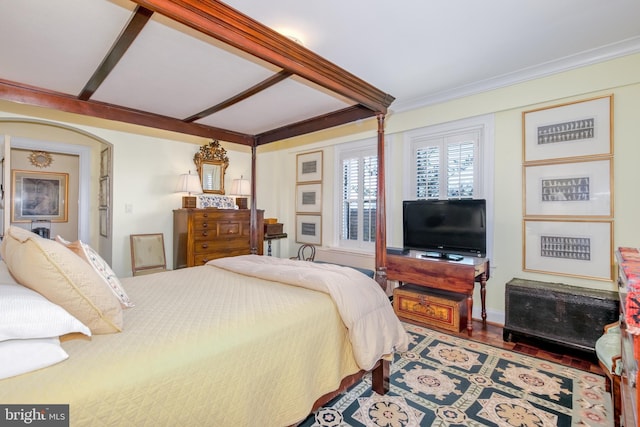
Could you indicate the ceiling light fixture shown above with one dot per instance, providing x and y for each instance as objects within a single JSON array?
[{"x": 292, "y": 35}]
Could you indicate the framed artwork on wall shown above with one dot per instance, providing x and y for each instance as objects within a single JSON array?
[
  {"x": 104, "y": 222},
  {"x": 104, "y": 192},
  {"x": 105, "y": 162},
  {"x": 309, "y": 229},
  {"x": 309, "y": 167},
  {"x": 580, "y": 188},
  {"x": 39, "y": 196},
  {"x": 569, "y": 248},
  {"x": 576, "y": 129},
  {"x": 309, "y": 198}
]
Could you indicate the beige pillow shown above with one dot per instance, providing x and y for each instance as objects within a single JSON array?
[
  {"x": 63, "y": 278},
  {"x": 100, "y": 266}
]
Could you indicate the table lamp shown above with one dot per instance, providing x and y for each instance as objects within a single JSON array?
[
  {"x": 240, "y": 188},
  {"x": 189, "y": 183}
]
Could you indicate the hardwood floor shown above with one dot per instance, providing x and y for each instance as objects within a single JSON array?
[{"x": 492, "y": 335}]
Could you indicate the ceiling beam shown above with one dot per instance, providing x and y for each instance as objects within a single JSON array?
[
  {"x": 137, "y": 22},
  {"x": 277, "y": 78},
  {"x": 23, "y": 94},
  {"x": 228, "y": 25},
  {"x": 336, "y": 118}
]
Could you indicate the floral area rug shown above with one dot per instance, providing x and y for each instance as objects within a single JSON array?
[{"x": 448, "y": 381}]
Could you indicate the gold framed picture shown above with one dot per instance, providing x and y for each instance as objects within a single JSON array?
[{"x": 39, "y": 195}]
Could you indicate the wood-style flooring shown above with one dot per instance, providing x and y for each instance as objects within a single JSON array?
[{"x": 492, "y": 335}]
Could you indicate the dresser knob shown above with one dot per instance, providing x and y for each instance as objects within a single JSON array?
[
  {"x": 205, "y": 233},
  {"x": 205, "y": 246},
  {"x": 205, "y": 225}
]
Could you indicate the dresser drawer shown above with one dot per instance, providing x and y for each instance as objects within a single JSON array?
[
  {"x": 222, "y": 244},
  {"x": 204, "y": 257},
  {"x": 213, "y": 230},
  {"x": 446, "y": 310},
  {"x": 201, "y": 235}
]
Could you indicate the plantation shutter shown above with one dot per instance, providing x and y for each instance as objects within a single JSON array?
[
  {"x": 350, "y": 191},
  {"x": 359, "y": 179},
  {"x": 446, "y": 166},
  {"x": 428, "y": 173},
  {"x": 460, "y": 169},
  {"x": 370, "y": 193}
]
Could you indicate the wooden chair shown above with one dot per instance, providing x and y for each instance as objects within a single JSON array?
[
  {"x": 147, "y": 253},
  {"x": 306, "y": 252},
  {"x": 608, "y": 350}
]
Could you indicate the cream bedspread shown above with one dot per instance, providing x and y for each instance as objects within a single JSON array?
[
  {"x": 202, "y": 347},
  {"x": 374, "y": 328}
]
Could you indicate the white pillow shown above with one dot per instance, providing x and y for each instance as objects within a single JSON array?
[
  {"x": 22, "y": 356},
  {"x": 63, "y": 278},
  {"x": 5, "y": 276},
  {"x": 100, "y": 266},
  {"x": 25, "y": 314}
]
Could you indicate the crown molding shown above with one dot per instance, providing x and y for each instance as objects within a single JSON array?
[{"x": 593, "y": 56}]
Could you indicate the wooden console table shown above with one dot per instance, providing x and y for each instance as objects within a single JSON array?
[{"x": 454, "y": 276}]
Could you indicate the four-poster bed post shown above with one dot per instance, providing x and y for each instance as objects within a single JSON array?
[
  {"x": 254, "y": 210},
  {"x": 381, "y": 221}
]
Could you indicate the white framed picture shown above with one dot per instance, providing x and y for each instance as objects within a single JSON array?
[
  {"x": 569, "y": 248},
  {"x": 309, "y": 167},
  {"x": 309, "y": 229},
  {"x": 581, "y": 188},
  {"x": 576, "y": 129},
  {"x": 309, "y": 198}
]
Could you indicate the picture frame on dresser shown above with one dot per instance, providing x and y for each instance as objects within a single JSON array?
[
  {"x": 574, "y": 129},
  {"x": 575, "y": 248}
]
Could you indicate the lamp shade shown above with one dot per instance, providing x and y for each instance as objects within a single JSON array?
[
  {"x": 240, "y": 187},
  {"x": 189, "y": 183}
]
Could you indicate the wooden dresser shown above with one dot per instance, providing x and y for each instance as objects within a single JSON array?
[
  {"x": 200, "y": 235},
  {"x": 628, "y": 260}
]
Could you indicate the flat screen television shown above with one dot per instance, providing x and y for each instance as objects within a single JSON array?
[{"x": 444, "y": 227}]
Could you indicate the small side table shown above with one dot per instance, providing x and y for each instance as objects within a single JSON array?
[{"x": 270, "y": 237}]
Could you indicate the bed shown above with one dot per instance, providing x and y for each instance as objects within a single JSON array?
[{"x": 246, "y": 340}]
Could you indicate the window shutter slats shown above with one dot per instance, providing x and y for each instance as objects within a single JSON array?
[
  {"x": 359, "y": 196},
  {"x": 445, "y": 166}
]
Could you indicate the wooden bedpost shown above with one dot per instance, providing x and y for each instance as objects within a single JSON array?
[
  {"x": 381, "y": 221},
  {"x": 254, "y": 210}
]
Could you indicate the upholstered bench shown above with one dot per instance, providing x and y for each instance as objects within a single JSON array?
[{"x": 608, "y": 350}]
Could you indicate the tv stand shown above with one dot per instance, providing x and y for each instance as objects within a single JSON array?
[{"x": 442, "y": 273}]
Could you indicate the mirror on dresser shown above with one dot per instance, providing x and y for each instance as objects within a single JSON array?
[{"x": 212, "y": 161}]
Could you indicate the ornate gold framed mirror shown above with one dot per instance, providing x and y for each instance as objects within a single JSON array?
[{"x": 212, "y": 162}]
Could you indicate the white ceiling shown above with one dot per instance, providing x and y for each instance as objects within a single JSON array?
[
  {"x": 425, "y": 51},
  {"x": 419, "y": 51}
]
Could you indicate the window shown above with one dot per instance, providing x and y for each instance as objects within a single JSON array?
[
  {"x": 446, "y": 166},
  {"x": 358, "y": 168},
  {"x": 451, "y": 161}
]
